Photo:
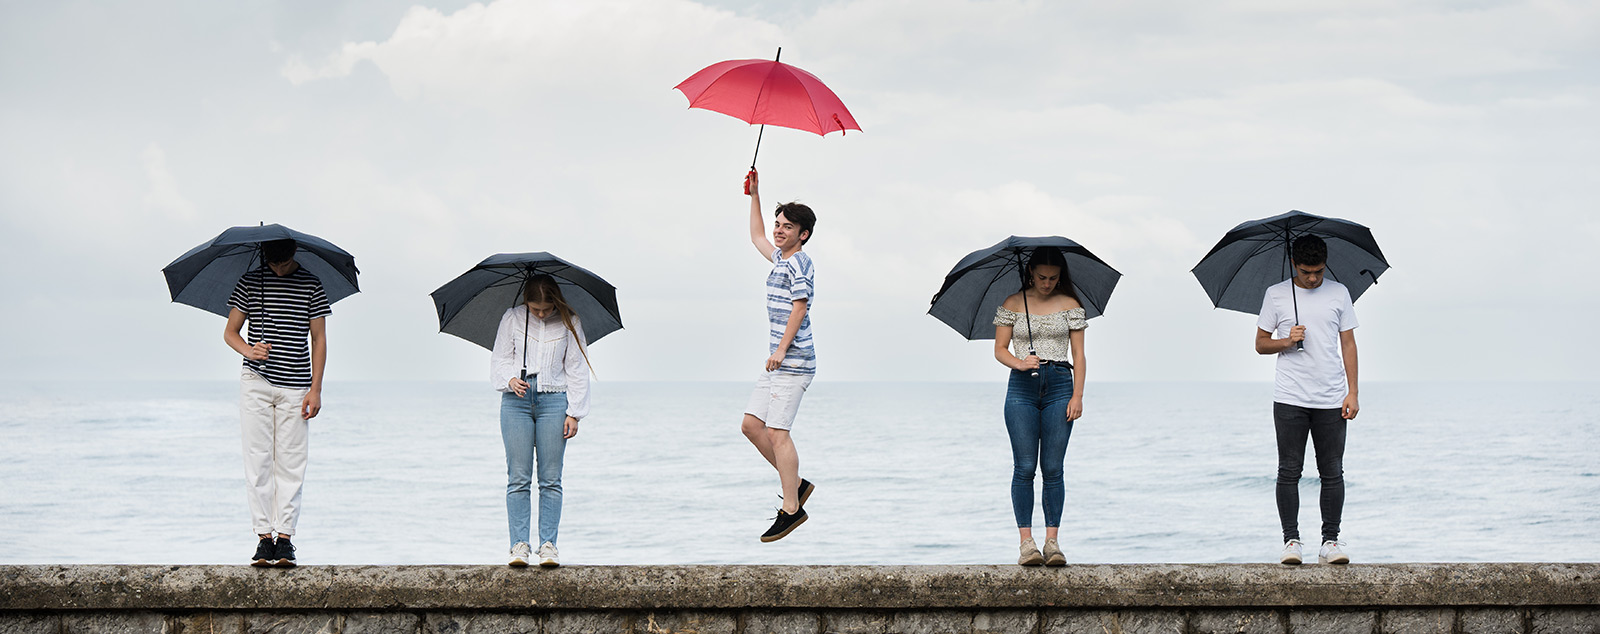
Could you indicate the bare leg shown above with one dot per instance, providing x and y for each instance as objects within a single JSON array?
[
  {"x": 787, "y": 460},
  {"x": 1050, "y": 532},
  {"x": 756, "y": 431},
  {"x": 1025, "y": 533}
]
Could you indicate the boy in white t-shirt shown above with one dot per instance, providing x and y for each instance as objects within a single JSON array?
[{"x": 1310, "y": 322}]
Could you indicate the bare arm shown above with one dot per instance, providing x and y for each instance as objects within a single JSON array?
[
  {"x": 758, "y": 228},
  {"x": 1265, "y": 344},
  {"x": 230, "y": 336},
  {"x": 796, "y": 317},
  {"x": 1002, "y": 351},
  {"x": 1347, "y": 349},
  {"x": 319, "y": 358}
]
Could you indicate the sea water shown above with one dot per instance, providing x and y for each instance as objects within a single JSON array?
[{"x": 906, "y": 473}]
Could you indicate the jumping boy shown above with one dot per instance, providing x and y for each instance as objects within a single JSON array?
[{"x": 792, "y": 361}]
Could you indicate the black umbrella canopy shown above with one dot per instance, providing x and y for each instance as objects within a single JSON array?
[
  {"x": 986, "y": 277},
  {"x": 1255, "y": 255},
  {"x": 205, "y": 276},
  {"x": 470, "y": 306}
]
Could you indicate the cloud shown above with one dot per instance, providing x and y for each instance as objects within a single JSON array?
[{"x": 513, "y": 53}]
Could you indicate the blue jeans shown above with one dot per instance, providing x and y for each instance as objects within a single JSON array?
[
  {"x": 1036, "y": 420},
  {"x": 532, "y": 426}
]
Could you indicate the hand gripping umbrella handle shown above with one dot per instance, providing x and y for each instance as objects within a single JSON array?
[{"x": 1035, "y": 372}]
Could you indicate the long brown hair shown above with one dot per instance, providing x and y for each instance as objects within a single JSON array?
[
  {"x": 543, "y": 288},
  {"x": 1049, "y": 256}
]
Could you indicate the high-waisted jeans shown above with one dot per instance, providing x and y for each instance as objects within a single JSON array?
[
  {"x": 532, "y": 426},
  {"x": 1036, "y": 420}
]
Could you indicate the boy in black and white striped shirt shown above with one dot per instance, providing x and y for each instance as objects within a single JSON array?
[{"x": 280, "y": 389}]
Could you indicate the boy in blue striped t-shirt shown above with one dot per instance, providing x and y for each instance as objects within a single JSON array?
[{"x": 792, "y": 360}]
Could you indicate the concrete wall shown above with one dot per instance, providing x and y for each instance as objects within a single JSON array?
[{"x": 1444, "y": 598}]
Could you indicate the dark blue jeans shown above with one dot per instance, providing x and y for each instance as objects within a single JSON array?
[{"x": 1036, "y": 420}]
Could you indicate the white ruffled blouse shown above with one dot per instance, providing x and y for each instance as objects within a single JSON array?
[
  {"x": 552, "y": 352},
  {"x": 1051, "y": 332}
]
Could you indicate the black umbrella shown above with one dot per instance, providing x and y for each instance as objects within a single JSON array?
[
  {"x": 1255, "y": 255},
  {"x": 205, "y": 276},
  {"x": 982, "y": 280},
  {"x": 471, "y": 305}
]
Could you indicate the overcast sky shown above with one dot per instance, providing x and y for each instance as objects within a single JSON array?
[{"x": 425, "y": 137}]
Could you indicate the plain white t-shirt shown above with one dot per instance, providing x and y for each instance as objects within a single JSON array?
[{"x": 1313, "y": 377}]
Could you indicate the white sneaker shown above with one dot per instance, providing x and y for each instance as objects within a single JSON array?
[
  {"x": 1332, "y": 553},
  {"x": 1291, "y": 553},
  {"x": 520, "y": 554},
  {"x": 548, "y": 556}
]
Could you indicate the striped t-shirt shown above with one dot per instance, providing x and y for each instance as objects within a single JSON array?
[
  {"x": 791, "y": 280},
  {"x": 292, "y": 301}
]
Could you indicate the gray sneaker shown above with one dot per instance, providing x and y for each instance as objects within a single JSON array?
[
  {"x": 1030, "y": 554},
  {"x": 1332, "y": 553},
  {"x": 548, "y": 557},
  {"x": 520, "y": 554},
  {"x": 1291, "y": 553},
  {"x": 1052, "y": 554}
]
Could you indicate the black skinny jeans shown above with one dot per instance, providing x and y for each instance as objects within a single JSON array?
[{"x": 1327, "y": 430}]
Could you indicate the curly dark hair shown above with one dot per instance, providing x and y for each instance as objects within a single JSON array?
[{"x": 1309, "y": 251}]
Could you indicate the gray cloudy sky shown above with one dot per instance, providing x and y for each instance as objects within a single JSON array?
[{"x": 424, "y": 137}]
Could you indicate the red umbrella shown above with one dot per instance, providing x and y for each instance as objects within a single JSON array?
[{"x": 763, "y": 92}]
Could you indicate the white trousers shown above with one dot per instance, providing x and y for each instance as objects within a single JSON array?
[{"x": 275, "y": 442}]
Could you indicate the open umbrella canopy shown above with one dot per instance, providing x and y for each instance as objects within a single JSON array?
[
  {"x": 205, "y": 276},
  {"x": 1255, "y": 255},
  {"x": 980, "y": 282},
  {"x": 470, "y": 306},
  {"x": 768, "y": 92}
]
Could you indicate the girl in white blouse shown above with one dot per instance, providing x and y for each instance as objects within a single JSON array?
[
  {"x": 541, "y": 367},
  {"x": 1036, "y": 332}
]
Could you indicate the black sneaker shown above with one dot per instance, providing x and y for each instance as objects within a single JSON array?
[
  {"x": 783, "y": 524},
  {"x": 284, "y": 553},
  {"x": 805, "y": 491},
  {"x": 266, "y": 553}
]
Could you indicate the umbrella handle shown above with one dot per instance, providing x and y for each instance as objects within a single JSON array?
[{"x": 1035, "y": 372}]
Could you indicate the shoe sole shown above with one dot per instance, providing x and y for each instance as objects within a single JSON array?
[
  {"x": 1036, "y": 560},
  {"x": 807, "y": 495},
  {"x": 786, "y": 531},
  {"x": 262, "y": 563},
  {"x": 1337, "y": 561},
  {"x": 518, "y": 562},
  {"x": 1058, "y": 560},
  {"x": 549, "y": 563},
  {"x": 1291, "y": 562},
  {"x": 284, "y": 563}
]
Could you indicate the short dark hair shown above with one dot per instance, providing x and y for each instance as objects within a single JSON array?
[
  {"x": 799, "y": 214},
  {"x": 275, "y": 251},
  {"x": 1309, "y": 250}
]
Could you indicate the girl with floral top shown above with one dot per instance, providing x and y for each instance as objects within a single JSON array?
[{"x": 1039, "y": 335}]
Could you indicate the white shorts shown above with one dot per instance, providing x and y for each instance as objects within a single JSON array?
[{"x": 776, "y": 398}]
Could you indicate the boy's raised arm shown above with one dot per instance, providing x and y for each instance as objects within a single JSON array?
[{"x": 758, "y": 228}]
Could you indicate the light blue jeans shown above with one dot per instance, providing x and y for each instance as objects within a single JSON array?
[{"x": 531, "y": 427}]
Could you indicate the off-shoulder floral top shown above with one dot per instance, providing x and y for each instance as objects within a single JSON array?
[{"x": 1050, "y": 332}]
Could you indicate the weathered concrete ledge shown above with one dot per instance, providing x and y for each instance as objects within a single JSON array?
[{"x": 1179, "y": 598}]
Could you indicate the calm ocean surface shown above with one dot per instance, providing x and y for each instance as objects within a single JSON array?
[{"x": 906, "y": 473}]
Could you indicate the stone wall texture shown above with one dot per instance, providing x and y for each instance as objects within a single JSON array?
[{"x": 1102, "y": 599}]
